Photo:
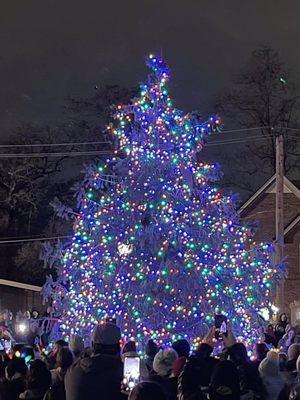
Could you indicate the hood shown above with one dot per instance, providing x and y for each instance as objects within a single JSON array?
[{"x": 99, "y": 363}]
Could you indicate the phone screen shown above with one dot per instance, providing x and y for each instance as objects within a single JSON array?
[
  {"x": 131, "y": 371},
  {"x": 220, "y": 325}
]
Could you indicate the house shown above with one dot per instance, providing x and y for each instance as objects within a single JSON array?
[
  {"x": 17, "y": 296},
  {"x": 260, "y": 208}
]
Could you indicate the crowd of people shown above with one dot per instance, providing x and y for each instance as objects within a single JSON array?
[{"x": 72, "y": 372}]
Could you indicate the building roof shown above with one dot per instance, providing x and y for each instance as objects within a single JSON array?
[
  {"x": 20, "y": 285},
  {"x": 269, "y": 187}
]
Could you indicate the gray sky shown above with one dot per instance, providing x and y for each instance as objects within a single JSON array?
[{"x": 54, "y": 48}]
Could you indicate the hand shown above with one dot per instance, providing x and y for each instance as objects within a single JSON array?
[
  {"x": 209, "y": 338},
  {"x": 230, "y": 339}
]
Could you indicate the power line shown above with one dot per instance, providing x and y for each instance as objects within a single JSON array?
[
  {"x": 59, "y": 154},
  {"x": 53, "y": 144},
  {"x": 40, "y": 239}
]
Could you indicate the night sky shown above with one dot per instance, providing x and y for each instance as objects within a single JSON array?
[{"x": 54, "y": 48}]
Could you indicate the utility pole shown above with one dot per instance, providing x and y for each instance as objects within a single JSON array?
[{"x": 279, "y": 215}]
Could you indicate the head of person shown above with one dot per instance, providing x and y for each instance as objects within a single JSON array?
[
  {"x": 27, "y": 314},
  {"x": 295, "y": 392},
  {"x": 106, "y": 339},
  {"x": 269, "y": 367},
  {"x": 294, "y": 351},
  {"x": 163, "y": 362},
  {"x": 16, "y": 368},
  {"x": 64, "y": 358},
  {"x": 76, "y": 345},
  {"x": 204, "y": 350},
  {"x": 282, "y": 359},
  {"x": 58, "y": 345},
  {"x": 151, "y": 348},
  {"x": 290, "y": 335},
  {"x": 270, "y": 329},
  {"x": 224, "y": 382},
  {"x": 35, "y": 314},
  {"x": 129, "y": 347},
  {"x": 238, "y": 354},
  {"x": 260, "y": 351},
  {"x": 39, "y": 377},
  {"x": 283, "y": 318},
  {"x": 147, "y": 391},
  {"x": 182, "y": 348}
]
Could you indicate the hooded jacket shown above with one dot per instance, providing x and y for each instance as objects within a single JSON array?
[{"x": 99, "y": 375}]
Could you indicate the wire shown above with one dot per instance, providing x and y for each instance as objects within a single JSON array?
[
  {"x": 40, "y": 239},
  {"x": 60, "y": 154},
  {"x": 53, "y": 144}
]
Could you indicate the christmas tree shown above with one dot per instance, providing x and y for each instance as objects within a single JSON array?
[{"x": 156, "y": 244}]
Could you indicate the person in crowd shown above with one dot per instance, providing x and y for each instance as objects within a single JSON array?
[
  {"x": 14, "y": 382},
  {"x": 224, "y": 382},
  {"x": 50, "y": 360},
  {"x": 250, "y": 380},
  {"x": 182, "y": 348},
  {"x": 64, "y": 360},
  {"x": 38, "y": 381},
  {"x": 260, "y": 353},
  {"x": 150, "y": 351},
  {"x": 35, "y": 314},
  {"x": 269, "y": 336},
  {"x": 270, "y": 375},
  {"x": 287, "y": 340},
  {"x": 147, "y": 391},
  {"x": 163, "y": 365},
  {"x": 198, "y": 370},
  {"x": 4, "y": 359},
  {"x": 76, "y": 345},
  {"x": 293, "y": 354},
  {"x": 102, "y": 372},
  {"x": 281, "y": 326},
  {"x": 282, "y": 359},
  {"x": 129, "y": 350}
]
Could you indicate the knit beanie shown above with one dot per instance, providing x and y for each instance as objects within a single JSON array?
[
  {"x": 76, "y": 344},
  {"x": 269, "y": 368},
  {"x": 294, "y": 351},
  {"x": 163, "y": 362}
]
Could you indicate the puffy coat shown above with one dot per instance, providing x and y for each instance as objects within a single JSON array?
[{"x": 98, "y": 376}]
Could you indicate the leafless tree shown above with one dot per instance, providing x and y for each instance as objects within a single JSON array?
[{"x": 262, "y": 95}]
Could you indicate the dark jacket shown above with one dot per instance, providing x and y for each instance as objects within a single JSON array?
[
  {"x": 196, "y": 374},
  {"x": 11, "y": 389},
  {"x": 168, "y": 384},
  {"x": 99, "y": 375},
  {"x": 248, "y": 373}
]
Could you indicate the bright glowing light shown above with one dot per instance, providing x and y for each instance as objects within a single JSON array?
[
  {"x": 125, "y": 249},
  {"x": 22, "y": 328}
]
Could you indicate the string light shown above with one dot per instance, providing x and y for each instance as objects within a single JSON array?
[{"x": 160, "y": 248}]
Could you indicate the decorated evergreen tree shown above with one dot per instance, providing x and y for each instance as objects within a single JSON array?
[{"x": 156, "y": 244}]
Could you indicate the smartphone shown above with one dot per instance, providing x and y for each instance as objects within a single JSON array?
[
  {"x": 220, "y": 325},
  {"x": 131, "y": 372}
]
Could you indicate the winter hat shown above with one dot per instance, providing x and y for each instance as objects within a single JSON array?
[
  {"x": 298, "y": 365},
  {"x": 130, "y": 346},
  {"x": 76, "y": 344},
  {"x": 163, "y": 362},
  {"x": 151, "y": 348},
  {"x": 269, "y": 367},
  {"x": 182, "y": 348},
  {"x": 294, "y": 351},
  {"x": 106, "y": 334}
]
